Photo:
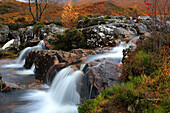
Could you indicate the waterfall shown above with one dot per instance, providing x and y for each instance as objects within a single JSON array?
[
  {"x": 115, "y": 53},
  {"x": 26, "y": 71},
  {"x": 62, "y": 97},
  {"x": 20, "y": 61},
  {"x": 8, "y": 44},
  {"x": 26, "y": 51}
]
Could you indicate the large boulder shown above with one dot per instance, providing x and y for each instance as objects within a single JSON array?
[
  {"x": 99, "y": 75},
  {"x": 102, "y": 35},
  {"x": 13, "y": 34},
  {"x": 26, "y": 34},
  {"x": 4, "y": 31},
  {"x": 54, "y": 29},
  {"x": 44, "y": 60},
  {"x": 142, "y": 28}
]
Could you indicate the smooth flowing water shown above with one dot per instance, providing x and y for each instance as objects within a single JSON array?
[
  {"x": 116, "y": 53},
  {"x": 20, "y": 61},
  {"x": 62, "y": 97},
  {"x": 8, "y": 44}
]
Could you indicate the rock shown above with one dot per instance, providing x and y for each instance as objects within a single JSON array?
[
  {"x": 101, "y": 35},
  {"x": 142, "y": 28},
  {"x": 147, "y": 34},
  {"x": 4, "y": 31},
  {"x": 1, "y": 82},
  {"x": 44, "y": 60},
  {"x": 79, "y": 52},
  {"x": 13, "y": 34},
  {"x": 26, "y": 34},
  {"x": 32, "y": 43},
  {"x": 144, "y": 17},
  {"x": 21, "y": 34},
  {"x": 52, "y": 28},
  {"x": 3, "y": 86},
  {"x": 99, "y": 76},
  {"x": 29, "y": 33}
]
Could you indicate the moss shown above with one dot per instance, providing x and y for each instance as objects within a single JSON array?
[
  {"x": 37, "y": 26},
  {"x": 8, "y": 54},
  {"x": 107, "y": 17}
]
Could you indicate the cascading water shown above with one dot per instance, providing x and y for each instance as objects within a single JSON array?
[
  {"x": 8, "y": 44},
  {"x": 26, "y": 71},
  {"x": 20, "y": 61},
  {"x": 115, "y": 53},
  {"x": 26, "y": 51},
  {"x": 62, "y": 97}
]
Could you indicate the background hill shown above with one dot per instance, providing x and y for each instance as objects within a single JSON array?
[{"x": 14, "y": 12}]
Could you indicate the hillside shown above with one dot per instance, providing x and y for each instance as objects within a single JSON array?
[
  {"x": 18, "y": 13},
  {"x": 121, "y": 3}
]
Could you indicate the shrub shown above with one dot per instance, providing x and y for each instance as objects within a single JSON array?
[
  {"x": 37, "y": 26},
  {"x": 139, "y": 64},
  {"x": 22, "y": 19},
  {"x": 71, "y": 39}
]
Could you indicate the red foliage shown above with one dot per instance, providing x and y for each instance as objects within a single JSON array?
[{"x": 156, "y": 39}]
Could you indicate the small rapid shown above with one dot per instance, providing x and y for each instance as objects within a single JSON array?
[
  {"x": 62, "y": 97},
  {"x": 20, "y": 61},
  {"x": 116, "y": 53}
]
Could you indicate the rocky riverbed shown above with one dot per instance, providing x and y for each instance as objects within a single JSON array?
[{"x": 105, "y": 49}]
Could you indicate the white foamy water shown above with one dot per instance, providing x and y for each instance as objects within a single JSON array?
[
  {"x": 26, "y": 71},
  {"x": 8, "y": 44},
  {"x": 62, "y": 97},
  {"x": 20, "y": 61},
  {"x": 115, "y": 53}
]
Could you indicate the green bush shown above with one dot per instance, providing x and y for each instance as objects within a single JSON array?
[
  {"x": 37, "y": 26},
  {"x": 95, "y": 105},
  {"x": 71, "y": 39},
  {"x": 140, "y": 63},
  {"x": 107, "y": 17}
]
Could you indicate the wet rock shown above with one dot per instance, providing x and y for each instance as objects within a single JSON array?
[
  {"x": 1, "y": 52},
  {"x": 98, "y": 76},
  {"x": 32, "y": 43},
  {"x": 44, "y": 60},
  {"x": 3, "y": 86},
  {"x": 13, "y": 34},
  {"x": 4, "y": 31},
  {"x": 1, "y": 82}
]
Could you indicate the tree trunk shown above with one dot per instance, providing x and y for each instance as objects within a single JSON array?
[
  {"x": 31, "y": 10},
  {"x": 36, "y": 3}
]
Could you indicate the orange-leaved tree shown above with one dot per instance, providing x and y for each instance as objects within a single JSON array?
[{"x": 69, "y": 16}]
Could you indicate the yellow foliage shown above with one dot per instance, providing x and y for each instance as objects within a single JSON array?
[{"x": 69, "y": 16}]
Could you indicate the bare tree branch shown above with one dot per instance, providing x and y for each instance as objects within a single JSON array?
[{"x": 31, "y": 10}]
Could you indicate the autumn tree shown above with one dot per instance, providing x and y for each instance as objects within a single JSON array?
[
  {"x": 40, "y": 7},
  {"x": 69, "y": 15}
]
